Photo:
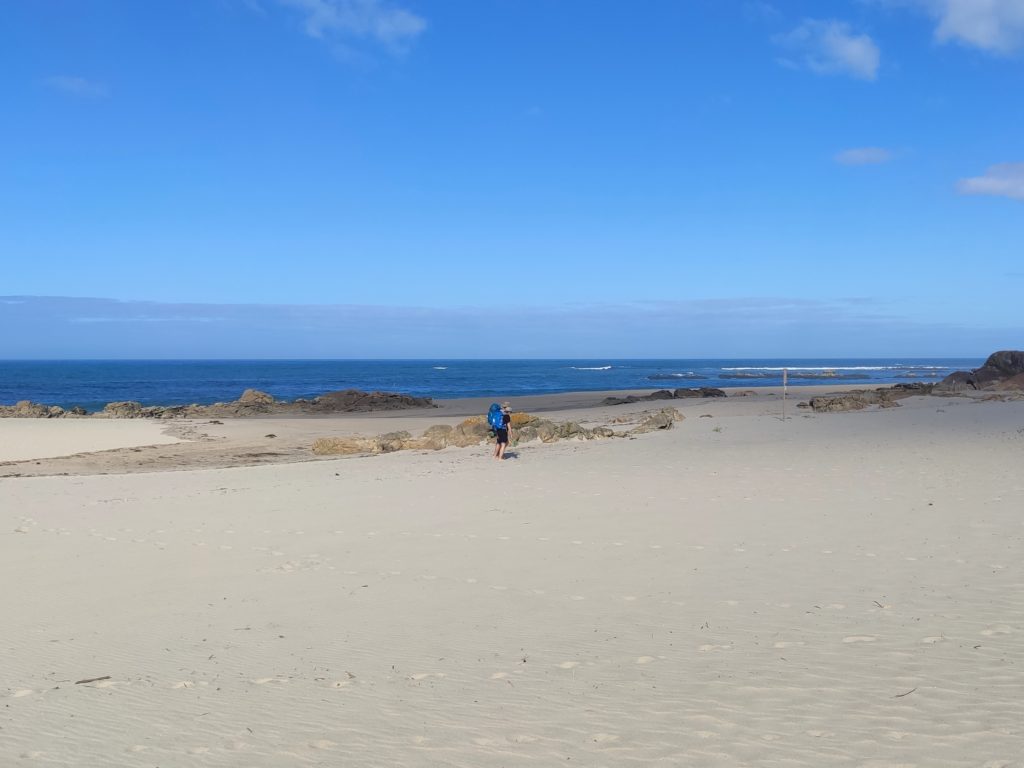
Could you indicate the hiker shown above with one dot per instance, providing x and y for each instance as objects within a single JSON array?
[{"x": 500, "y": 420}]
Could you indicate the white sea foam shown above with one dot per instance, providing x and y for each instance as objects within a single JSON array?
[
  {"x": 440, "y": 367},
  {"x": 835, "y": 368},
  {"x": 597, "y": 368}
]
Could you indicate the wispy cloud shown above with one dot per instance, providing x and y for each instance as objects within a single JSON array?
[
  {"x": 863, "y": 156},
  {"x": 77, "y": 86},
  {"x": 372, "y": 20},
  {"x": 996, "y": 26},
  {"x": 1002, "y": 180},
  {"x": 831, "y": 48},
  {"x": 57, "y": 327}
]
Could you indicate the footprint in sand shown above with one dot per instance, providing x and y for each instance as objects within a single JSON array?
[
  {"x": 323, "y": 744},
  {"x": 629, "y": 598},
  {"x": 859, "y": 639},
  {"x": 568, "y": 665},
  {"x": 787, "y": 643},
  {"x": 999, "y": 629},
  {"x": 265, "y": 680},
  {"x": 183, "y": 684},
  {"x": 22, "y": 692},
  {"x": 645, "y": 660},
  {"x": 499, "y": 675},
  {"x": 604, "y": 738},
  {"x": 706, "y": 648},
  {"x": 424, "y": 675},
  {"x": 932, "y": 639},
  {"x": 577, "y": 597}
]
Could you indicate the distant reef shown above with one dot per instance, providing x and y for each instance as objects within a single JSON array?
[
  {"x": 1002, "y": 372},
  {"x": 665, "y": 394},
  {"x": 251, "y": 403}
]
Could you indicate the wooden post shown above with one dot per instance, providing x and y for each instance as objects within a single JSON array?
[{"x": 785, "y": 382}]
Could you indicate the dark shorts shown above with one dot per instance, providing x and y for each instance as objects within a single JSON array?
[{"x": 502, "y": 435}]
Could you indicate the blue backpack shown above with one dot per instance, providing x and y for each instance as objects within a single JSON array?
[{"x": 494, "y": 415}]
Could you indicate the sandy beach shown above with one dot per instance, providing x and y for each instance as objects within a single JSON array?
[{"x": 830, "y": 590}]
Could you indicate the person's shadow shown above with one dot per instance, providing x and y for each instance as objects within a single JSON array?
[{"x": 511, "y": 454}]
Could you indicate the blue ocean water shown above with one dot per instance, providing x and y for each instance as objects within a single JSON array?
[{"x": 93, "y": 383}]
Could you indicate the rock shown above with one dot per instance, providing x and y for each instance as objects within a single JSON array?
[
  {"x": 356, "y": 400},
  {"x": 699, "y": 392},
  {"x": 570, "y": 429},
  {"x": 435, "y": 438},
  {"x": 663, "y": 419},
  {"x": 255, "y": 397},
  {"x": 665, "y": 394},
  {"x": 859, "y": 399},
  {"x": 26, "y": 409},
  {"x": 954, "y": 384},
  {"x": 472, "y": 431},
  {"x": 125, "y": 409},
  {"x": 1001, "y": 371},
  {"x": 1014, "y": 383},
  {"x": 390, "y": 442},
  {"x": 602, "y": 432},
  {"x": 340, "y": 446}
]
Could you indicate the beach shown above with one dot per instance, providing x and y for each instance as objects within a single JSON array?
[{"x": 834, "y": 589}]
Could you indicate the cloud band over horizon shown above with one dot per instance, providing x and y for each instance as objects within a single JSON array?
[{"x": 61, "y": 327}]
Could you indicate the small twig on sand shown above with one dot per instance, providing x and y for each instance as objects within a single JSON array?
[
  {"x": 901, "y": 695},
  {"x": 878, "y": 604},
  {"x": 92, "y": 680}
]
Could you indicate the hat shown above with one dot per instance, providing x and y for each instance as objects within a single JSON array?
[{"x": 506, "y": 405}]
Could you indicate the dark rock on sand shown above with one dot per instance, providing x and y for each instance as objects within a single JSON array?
[
  {"x": 859, "y": 399},
  {"x": 251, "y": 403},
  {"x": 665, "y": 394},
  {"x": 1002, "y": 371},
  {"x": 700, "y": 392}
]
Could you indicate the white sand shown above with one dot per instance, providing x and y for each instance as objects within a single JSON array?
[
  {"x": 836, "y": 590},
  {"x": 22, "y": 439}
]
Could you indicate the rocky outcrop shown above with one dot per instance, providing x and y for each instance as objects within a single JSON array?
[
  {"x": 26, "y": 409},
  {"x": 251, "y": 403},
  {"x": 859, "y": 399},
  {"x": 665, "y": 394},
  {"x": 475, "y": 431},
  {"x": 343, "y": 446},
  {"x": 1002, "y": 372}
]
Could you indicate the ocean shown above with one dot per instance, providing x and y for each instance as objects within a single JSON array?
[{"x": 93, "y": 383}]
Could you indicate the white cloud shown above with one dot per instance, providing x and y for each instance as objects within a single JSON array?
[
  {"x": 1003, "y": 180},
  {"x": 362, "y": 19},
  {"x": 992, "y": 25},
  {"x": 864, "y": 156},
  {"x": 77, "y": 86},
  {"x": 831, "y": 47}
]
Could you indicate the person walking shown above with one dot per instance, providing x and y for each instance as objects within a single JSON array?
[{"x": 503, "y": 433}]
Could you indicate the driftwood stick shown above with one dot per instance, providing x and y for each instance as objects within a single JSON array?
[
  {"x": 901, "y": 695},
  {"x": 92, "y": 680}
]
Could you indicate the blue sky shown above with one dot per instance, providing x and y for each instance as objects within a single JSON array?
[{"x": 574, "y": 177}]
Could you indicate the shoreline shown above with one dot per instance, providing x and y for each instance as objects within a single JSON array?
[{"x": 188, "y": 444}]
